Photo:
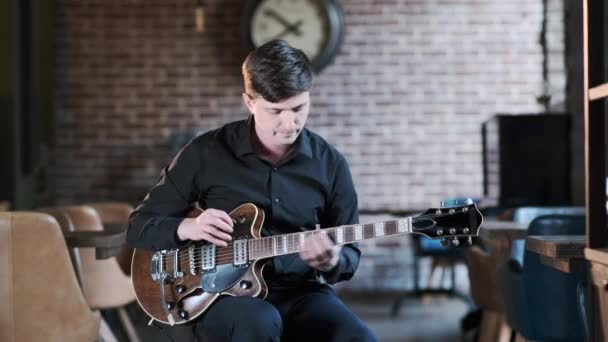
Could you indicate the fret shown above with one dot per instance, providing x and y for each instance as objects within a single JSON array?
[
  {"x": 284, "y": 238},
  {"x": 301, "y": 237},
  {"x": 340, "y": 235},
  {"x": 358, "y": 232},
  {"x": 274, "y": 245},
  {"x": 378, "y": 229}
]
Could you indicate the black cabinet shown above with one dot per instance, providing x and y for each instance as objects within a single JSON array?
[{"x": 526, "y": 160}]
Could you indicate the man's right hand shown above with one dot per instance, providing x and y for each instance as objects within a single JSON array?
[{"x": 212, "y": 225}]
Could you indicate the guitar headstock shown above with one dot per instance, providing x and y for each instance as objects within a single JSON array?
[{"x": 455, "y": 225}]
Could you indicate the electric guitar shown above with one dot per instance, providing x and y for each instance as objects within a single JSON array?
[{"x": 175, "y": 286}]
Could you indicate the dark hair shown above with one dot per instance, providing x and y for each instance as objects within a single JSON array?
[{"x": 276, "y": 71}]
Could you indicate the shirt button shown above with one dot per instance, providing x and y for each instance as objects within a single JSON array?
[
  {"x": 274, "y": 169},
  {"x": 276, "y": 200}
]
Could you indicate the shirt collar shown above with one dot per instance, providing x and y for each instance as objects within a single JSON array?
[{"x": 242, "y": 143}]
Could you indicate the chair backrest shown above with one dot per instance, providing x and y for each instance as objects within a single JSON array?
[
  {"x": 483, "y": 278},
  {"x": 5, "y": 205},
  {"x": 97, "y": 275},
  {"x": 525, "y": 216},
  {"x": 40, "y": 296},
  {"x": 551, "y": 294}
]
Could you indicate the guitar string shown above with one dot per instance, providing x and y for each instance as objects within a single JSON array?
[
  {"x": 331, "y": 231},
  {"x": 226, "y": 251},
  {"x": 226, "y": 255}
]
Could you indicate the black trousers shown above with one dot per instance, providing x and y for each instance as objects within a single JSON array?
[{"x": 314, "y": 313}]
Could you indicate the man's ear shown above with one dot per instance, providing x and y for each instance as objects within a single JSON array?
[{"x": 248, "y": 102}]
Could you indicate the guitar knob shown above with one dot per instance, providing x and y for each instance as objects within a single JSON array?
[
  {"x": 183, "y": 314},
  {"x": 455, "y": 242},
  {"x": 180, "y": 288},
  {"x": 465, "y": 230},
  {"x": 439, "y": 231},
  {"x": 170, "y": 306},
  {"x": 444, "y": 242},
  {"x": 245, "y": 284},
  {"x": 452, "y": 231}
]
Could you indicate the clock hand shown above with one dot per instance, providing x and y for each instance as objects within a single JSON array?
[{"x": 292, "y": 28}]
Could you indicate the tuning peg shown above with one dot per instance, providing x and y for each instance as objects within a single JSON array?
[
  {"x": 470, "y": 241},
  {"x": 455, "y": 242},
  {"x": 468, "y": 201},
  {"x": 444, "y": 242}
]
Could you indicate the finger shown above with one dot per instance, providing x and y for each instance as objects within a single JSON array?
[
  {"x": 219, "y": 234},
  {"x": 318, "y": 252},
  {"x": 213, "y": 240},
  {"x": 222, "y": 215},
  {"x": 219, "y": 224}
]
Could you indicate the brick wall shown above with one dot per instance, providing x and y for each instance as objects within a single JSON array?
[{"x": 404, "y": 99}]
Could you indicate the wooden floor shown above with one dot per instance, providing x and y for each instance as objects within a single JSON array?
[{"x": 432, "y": 319}]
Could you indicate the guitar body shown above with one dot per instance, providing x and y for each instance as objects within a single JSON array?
[{"x": 187, "y": 293}]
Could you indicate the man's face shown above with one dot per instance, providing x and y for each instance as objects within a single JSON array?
[{"x": 279, "y": 124}]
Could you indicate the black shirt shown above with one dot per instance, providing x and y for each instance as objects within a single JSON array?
[{"x": 220, "y": 170}]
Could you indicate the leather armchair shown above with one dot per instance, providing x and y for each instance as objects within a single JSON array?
[
  {"x": 541, "y": 302},
  {"x": 41, "y": 298}
]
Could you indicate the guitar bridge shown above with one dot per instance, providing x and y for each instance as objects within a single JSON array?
[{"x": 165, "y": 264}]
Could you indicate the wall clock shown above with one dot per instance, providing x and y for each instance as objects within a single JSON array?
[{"x": 313, "y": 26}]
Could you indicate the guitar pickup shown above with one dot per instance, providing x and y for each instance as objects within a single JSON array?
[
  {"x": 208, "y": 258},
  {"x": 241, "y": 253}
]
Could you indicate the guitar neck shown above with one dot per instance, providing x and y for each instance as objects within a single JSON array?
[{"x": 276, "y": 245}]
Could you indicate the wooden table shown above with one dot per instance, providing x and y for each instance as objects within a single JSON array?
[
  {"x": 499, "y": 235},
  {"x": 563, "y": 252}
]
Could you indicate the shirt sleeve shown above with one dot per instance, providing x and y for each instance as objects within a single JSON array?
[
  {"x": 153, "y": 224},
  {"x": 343, "y": 209}
]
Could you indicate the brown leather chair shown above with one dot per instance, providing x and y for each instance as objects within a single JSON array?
[
  {"x": 38, "y": 288},
  {"x": 104, "y": 284},
  {"x": 486, "y": 292},
  {"x": 5, "y": 205}
]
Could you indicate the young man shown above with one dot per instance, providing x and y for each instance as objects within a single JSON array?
[{"x": 299, "y": 180}]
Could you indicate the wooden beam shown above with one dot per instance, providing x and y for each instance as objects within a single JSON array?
[{"x": 595, "y": 176}]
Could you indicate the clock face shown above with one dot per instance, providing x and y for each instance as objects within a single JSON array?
[{"x": 304, "y": 24}]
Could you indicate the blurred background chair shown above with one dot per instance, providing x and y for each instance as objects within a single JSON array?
[
  {"x": 525, "y": 215},
  {"x": 41, "y": 298},
  {"x": 482, "y": 265},
  {"x": 115, "y": 216},
  {"x": 541, "y": 302},
  {"x": 104, "y": 283},
  {"x": 5, "y": 206}
]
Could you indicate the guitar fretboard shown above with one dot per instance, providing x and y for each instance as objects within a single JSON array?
[{"x": 292, "y": 243}]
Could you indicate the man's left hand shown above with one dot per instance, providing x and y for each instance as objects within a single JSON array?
[{"x": 320, "y": 252}]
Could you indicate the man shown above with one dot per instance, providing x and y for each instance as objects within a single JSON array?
[{"x": 299, "y": 180}]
